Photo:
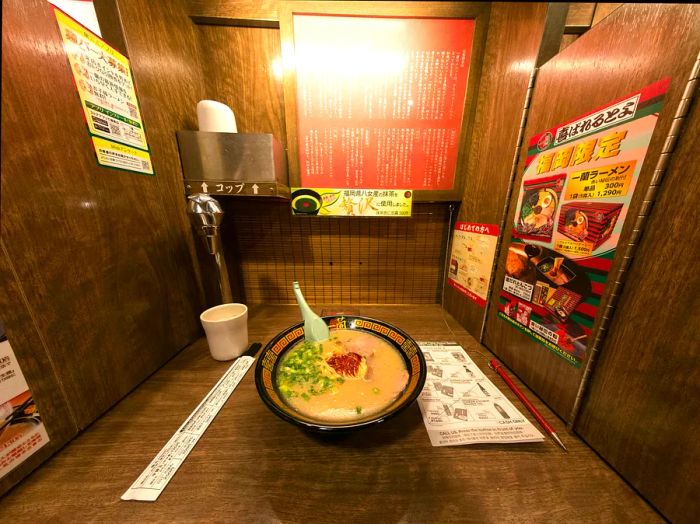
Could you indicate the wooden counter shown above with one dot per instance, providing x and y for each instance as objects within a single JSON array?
[{"x": 251, "y": 466}]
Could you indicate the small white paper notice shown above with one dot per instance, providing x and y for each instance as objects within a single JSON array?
[{"x": 461, "y": 406}]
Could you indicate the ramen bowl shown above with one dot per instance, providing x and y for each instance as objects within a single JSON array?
[{"x": 273, "y": 367}]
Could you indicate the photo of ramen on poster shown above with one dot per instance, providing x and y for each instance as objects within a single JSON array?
[
  {"x": 574, "y": 197},
  {"x": 22, "y": 431}
]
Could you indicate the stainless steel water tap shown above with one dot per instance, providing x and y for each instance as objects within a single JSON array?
[{"x": 206, "y": 216}]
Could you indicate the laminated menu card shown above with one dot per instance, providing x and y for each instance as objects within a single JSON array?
[{"x": 461, "y": 406}]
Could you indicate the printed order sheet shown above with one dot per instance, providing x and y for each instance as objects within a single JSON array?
[{"x": 461, "y": 406}]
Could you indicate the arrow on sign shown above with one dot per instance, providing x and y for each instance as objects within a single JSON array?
[
  {"x": 204, "y": 187},
  {"x": 255, "y": 189}
]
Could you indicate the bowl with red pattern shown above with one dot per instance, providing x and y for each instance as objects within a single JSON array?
[{"x": 367, "y": 372}]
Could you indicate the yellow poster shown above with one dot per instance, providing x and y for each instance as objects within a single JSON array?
[
  {"x": 352, "y": 202},
  {"x": 103, "y": 79},
  {"x": 119, "y": 156},
  {"x": 601, "y": 182}
]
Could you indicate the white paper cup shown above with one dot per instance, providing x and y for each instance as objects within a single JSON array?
[{"x": 226, "y": 327}]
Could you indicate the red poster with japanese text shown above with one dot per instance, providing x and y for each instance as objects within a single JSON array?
[
  {"x": 576, "y": 190},
  {"x": 380, "y": 100}
]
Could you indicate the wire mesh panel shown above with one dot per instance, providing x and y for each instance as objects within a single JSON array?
[{"x": 336, "y": 260}]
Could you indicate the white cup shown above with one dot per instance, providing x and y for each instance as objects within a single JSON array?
[{"x": 226, "y": 327}]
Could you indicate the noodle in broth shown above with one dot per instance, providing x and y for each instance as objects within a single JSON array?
[{"x": 351, "y": 376}]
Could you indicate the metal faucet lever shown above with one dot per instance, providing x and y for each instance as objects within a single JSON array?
[{"x": 206, "y": 216}]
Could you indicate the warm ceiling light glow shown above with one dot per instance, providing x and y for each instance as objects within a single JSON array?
[{"x": 276, "y": 68}]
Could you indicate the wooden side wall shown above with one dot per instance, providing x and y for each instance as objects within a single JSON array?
[
  {"x": 512, "y": 46},
  {"x": 644, "y": 386},
  {"x": 628, "y": 50},
  {"x": 103, "y": 287},
  {"x": 639, "y": 414}
]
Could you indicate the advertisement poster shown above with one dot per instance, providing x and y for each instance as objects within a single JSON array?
[
  {"x": 106, "y": 89},
  {"x": 380, "y": 100},
  {"x": 471, "y": 260},
  {"x": 351, "y": 202},
  {"x": 22, "y": 432},
  {"x": 578, "y": 183}
]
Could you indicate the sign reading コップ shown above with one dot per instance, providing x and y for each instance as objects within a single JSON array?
[{"x": 578, "y": 183}]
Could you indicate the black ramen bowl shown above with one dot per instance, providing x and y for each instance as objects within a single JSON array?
[{"x": 271, "y": 355}]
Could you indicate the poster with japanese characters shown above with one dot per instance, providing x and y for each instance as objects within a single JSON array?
[
  {"x": 351, "y": 202},
  {"x": 22, "y": 432},
  {"x": 578, "y": 183},
  {"x": 471, "y": 259},
  {"x": 106, "y": 89},
  {"x": 380, "y": 100}
]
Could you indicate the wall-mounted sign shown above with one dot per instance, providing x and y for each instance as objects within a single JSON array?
[
  {"x": 380, "y": 100},
  {"x": 578, "y": 183},
  {"x": 22, "y": 432},
  {"x": 106, "y": 89},
  {"x": 351, "y": 202},
  {"x": 471, "y": 260}
]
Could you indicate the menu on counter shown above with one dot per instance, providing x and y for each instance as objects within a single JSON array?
[
  {"x": 380, "y": 101},
  {"x": 461, "y": 406},
  {"x": 471, "y": 259}
]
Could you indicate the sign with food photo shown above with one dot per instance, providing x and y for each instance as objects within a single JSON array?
[{"x": 578, "y": 183}]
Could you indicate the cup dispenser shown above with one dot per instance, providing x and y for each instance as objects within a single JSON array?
[{"x": 206, "y": 216}]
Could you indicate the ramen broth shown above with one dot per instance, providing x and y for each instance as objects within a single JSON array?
[{"x": 350, "y": 376}]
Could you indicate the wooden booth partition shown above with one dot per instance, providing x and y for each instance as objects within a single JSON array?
[
  {"x": 634, "y": 47},
  {"x": 99, "y": 287},
  {"x": 512, "y": 46},
  {"x": 638, "y": 413}
]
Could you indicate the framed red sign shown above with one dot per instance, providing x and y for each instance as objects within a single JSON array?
[{"x": 379, "y": 95}]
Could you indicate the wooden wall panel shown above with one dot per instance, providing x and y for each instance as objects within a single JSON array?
[
  {"x": 103, "y": 256},
  {"x": 242, "y": 68},
  {"x": 336, "y": 260},
  {"x": 512, "y": 45},
  {"x": 645, "y": 392},
  {"x": 633, "y": 47},
  {"x": 234, "y": 12},
  {"x": 37, "y": 368}
]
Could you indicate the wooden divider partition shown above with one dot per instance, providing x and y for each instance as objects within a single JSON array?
[
  {"x": 98, "y": 283},
  {"x": 637, "y": 415}
]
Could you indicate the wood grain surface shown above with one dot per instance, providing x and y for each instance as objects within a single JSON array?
[
  {"x": 646, "y": 386},
  {"x": 242, "y": 68},
  {"x": 347, "y": 259},
  {"x": 233, "y": 12},
  {"x": 633, "y": 47},
  {"x": 101, "y": 255},
  {"x": 580, "y": 16},
  {"x": 37, "y": 367},
  {"x": 512, "y": 45},
  {"x": 251, "y": 466}
]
